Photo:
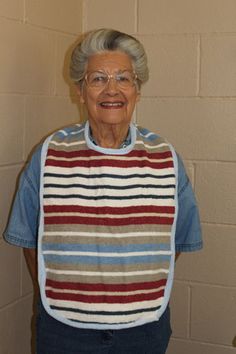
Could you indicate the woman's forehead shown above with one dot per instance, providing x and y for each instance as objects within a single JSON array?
[{"x": 109, "y": 60}]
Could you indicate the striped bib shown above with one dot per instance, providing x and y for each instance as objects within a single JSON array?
[{"x": 106, "y": 240}]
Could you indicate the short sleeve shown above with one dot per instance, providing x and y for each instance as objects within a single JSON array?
[
  {"x": 188, "y": 229},
  {"x": 22, "y": 228}
]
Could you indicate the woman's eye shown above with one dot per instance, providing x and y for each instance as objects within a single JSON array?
[
  {"x": 124, "y": 79},
  {"x": 99, "y": 79}
]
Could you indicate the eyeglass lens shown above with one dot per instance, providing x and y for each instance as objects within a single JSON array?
[{"x": 100, "y": 79}]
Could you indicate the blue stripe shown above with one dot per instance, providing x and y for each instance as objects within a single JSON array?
[
  {"x": 51, "y": 258},
  {"x": 106, "y": 248}
]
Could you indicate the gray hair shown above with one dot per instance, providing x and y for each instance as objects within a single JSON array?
[{"x": 102, "y": 40}]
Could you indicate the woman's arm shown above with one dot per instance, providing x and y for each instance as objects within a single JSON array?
[
  {"x": 31, "y": 260},
  {"x": 177, "y": 254}
]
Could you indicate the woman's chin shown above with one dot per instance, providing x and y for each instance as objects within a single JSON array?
[{"x": 114, "y": 119}]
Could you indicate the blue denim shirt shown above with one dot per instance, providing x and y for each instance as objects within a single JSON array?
[{"x": 22, "y": 229}]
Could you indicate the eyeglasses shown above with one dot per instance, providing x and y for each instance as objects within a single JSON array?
[{"x": 99, "y": 79}]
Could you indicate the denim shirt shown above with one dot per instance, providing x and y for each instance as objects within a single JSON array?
[{"x": 22, "y": 229}]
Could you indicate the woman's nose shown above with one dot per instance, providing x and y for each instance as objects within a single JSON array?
[{"x": 112, "y": 85}]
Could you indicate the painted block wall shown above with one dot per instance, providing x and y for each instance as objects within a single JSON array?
[
  {"x": 190, "y": 99},
  {"x": 35, "y": 38}
]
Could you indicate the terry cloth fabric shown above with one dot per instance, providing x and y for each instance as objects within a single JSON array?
[{"x": 106, "y": 243}]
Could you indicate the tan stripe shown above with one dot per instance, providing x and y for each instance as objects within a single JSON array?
[
  {"x": 74, "y": 146},
  {"x": 101, "y": 229},
  {"x": 106, "y": 267},
  {"x": 107, "y": 280},
  {"x": 104, "y": 157},
  {"x": 89, "y": 240},
  {"x": 98, "y": 273}
]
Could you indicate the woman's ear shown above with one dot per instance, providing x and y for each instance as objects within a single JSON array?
[
  {"x": 79, "y": 91},
  {"x": 138, "y": 96}
]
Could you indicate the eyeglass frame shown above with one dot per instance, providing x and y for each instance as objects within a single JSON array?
[{"x": 111, "y": 76}]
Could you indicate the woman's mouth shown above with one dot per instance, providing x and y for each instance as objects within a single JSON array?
[{"x": 112, "y": 105}]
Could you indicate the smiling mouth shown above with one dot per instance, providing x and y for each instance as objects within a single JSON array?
[{"x": 112, "y": 105}]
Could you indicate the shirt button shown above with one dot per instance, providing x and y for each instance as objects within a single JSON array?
[{"x": 108, "y": 335}]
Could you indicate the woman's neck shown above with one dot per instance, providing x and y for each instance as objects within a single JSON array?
[{"x": 109, "y": 136}]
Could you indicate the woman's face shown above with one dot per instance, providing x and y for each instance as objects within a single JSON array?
[{"x": 109, "y": 104}]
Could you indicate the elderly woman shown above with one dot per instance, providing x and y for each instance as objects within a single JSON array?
[{"x": 108, "y": 207}]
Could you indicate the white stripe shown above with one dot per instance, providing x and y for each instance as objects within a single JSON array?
[
  {"x": 108, "y": 235},
  {"x": 113, "y": 216},
  {"x": 119, "y": 158},
  {"x": 75, "y": 143},
  {"x": 112, "y": 307},
  {"x": 110, "y": 181},
  {"x": 106, "y": 274},
  {"x": 109, "y": 192},
  {"x": 109, "y": 203},
  {"x": 108, "y": 254},
  {"x": 147, "y": 134},
  {"x": 79, "y": 128},
  {"x": 140, "y": 142},
  {"x": 110, "y": 170},
  {"x": 106, "y": 319},
  {"x": 111, "y": 293}
]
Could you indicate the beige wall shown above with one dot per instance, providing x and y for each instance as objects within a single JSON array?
[
  {"x": 34, "y": 100},
  {"x": 190, "y": 99}
]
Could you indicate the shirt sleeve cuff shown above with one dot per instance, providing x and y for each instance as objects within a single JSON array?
[
  {"x": 189, "y": 247},
  {"x": 17, "y": 241}
]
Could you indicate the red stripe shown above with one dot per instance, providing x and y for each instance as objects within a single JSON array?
[
  {"x": 108, "y": 210},
  {"x": 104, "y": 298},
  {"x": 109, "y": 163},
  {"x": 105, "y": 287},
  {"x": 92, "y": 153},
  {"x": 108, "y": 221}
]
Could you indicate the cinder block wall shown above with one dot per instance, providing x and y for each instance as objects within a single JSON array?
[
  {"x": 34, "y": 100},
  {"x": 190, "y": 99}
]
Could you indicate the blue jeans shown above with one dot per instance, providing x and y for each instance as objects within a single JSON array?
[{"x": 54, "y": 337}]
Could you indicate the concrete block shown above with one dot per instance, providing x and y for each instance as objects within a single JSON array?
[
  {"x": 173, "y": 65},
  {"x": 178, "y": 346},
  {"x": 10, "y": 273},
  {"x": 186, "y": 16},
  {"x": 62, "y": 15},
  {"x": 215, "y": 190},
  {"x": 45, "y": 115},
  {"x": 120, "y": 15},
  {"x": 26, "y": 282},
  {"x": 213, "y": 314},
  {"x": 190, "y": 170},
  {"x": 15, "y": 327},
  {"x": 12, "y": 124},
  {"x": 8, "y": 176},
  {"x": 198, "y": 128},
  {"x": 12, "y": 9},
  {"x": 216, "y": 262},
  {"x": 218, "y": 66},
  {"x": 179, "y": 305},
  {"x": 65, "y": 45},
  {"x": 27, "y": 59}
]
